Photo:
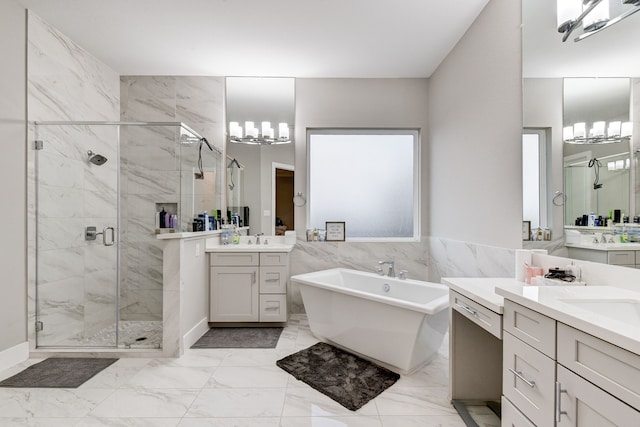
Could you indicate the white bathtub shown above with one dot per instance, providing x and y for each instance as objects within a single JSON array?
[{"x": 397, "y": 323}]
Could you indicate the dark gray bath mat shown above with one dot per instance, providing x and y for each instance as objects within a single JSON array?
[
  {"x": 58, "y": 372},
  {"x": 348, "y": 379},
  {"x": 266, "y": 337}
]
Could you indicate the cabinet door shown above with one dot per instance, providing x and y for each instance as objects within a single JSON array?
[
  {"x": 273, "y": 280},
  {"x": 582, "y": 404},
  {"x": 528, "y": 379},
  {"x": 234, "y": 294}
]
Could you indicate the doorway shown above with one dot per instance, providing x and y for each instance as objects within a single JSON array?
[{"x": 283, "y": 179}]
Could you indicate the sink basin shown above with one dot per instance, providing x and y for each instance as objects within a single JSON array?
[{"x": 622, "y": 310}]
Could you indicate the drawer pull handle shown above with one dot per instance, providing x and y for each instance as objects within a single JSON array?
[
  {"x": 272, "y": 280},
  {"x": 468, "y": 309},
  {"x": 531, "y": 384},
  {"x": 253, "y": 277},
  {"x": 271, "y": 308},
  {"x": 559, "y": 411}
]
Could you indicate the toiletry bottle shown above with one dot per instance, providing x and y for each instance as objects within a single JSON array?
[
  {"x": 236, "y": 235},
  {"x": 163, "y": 216},
  {"x": 205, "y": 216}
]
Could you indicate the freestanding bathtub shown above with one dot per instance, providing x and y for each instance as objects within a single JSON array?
[{"x": 397, "y": 323}]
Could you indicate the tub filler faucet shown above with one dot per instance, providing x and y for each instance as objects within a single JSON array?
[{"x": 391, "y": 272}]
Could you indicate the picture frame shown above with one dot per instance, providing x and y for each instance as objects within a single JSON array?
[
  {"x": 335, "y": 231},
  {"x": 526, "y": 230}
]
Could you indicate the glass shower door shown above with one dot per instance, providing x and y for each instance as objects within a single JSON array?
[{"x": 77, "y": 235}]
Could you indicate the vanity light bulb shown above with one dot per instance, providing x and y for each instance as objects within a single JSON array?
[
  {"x": 265, "y": 128},
  {"x": 283, "y": 131},
  {"x": 567, "y": 133},
  {"x": 614, "y": 129},
  {"x": 235, "y": 131},
  {"x": 626, "y": 129},
  {"x": 580, "y": 130},
  {"x": 598, "y": 129},
  {"x": 568, "y": 10},
  {"x": 597, "y": 17},
  {"x": 611, "y": 166}
]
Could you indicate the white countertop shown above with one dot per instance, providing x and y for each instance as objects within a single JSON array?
[
  {"x": 606, "y": 246},
  {"x": 481, "y": 290},
  {"x": 548, "y": 300},
  {"x": 275, "y": 247}
]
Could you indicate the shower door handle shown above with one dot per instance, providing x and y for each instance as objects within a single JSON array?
[{"x": 104, "y": 236}]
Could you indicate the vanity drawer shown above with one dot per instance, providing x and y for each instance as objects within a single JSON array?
[
  {"x": 610, "y": 367},
  {"x": 477, "y": 313},
  {"x": 537, "y": 330},
  {"x": 528, "y": 379},
  {"x": 273, "y": 308},
  {"x": 274, "y": 258},
  {"x": 273, "y": 279},
  {"x": 622, "y": 257},
  {"x": 232, "y": 259},
  {"x": 512, "y": 417}
]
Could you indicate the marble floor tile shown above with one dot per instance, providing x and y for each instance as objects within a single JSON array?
[
  {"x": 141, "y": 403},
  {"x": 244, "y": 402},
  {"x": 225, "y": 388}
]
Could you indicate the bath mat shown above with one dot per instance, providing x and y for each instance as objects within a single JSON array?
[
  {"x": 58, "y": 372},
  {"x": 266, "y": 337},
  {"x": 348, "y": 379}
]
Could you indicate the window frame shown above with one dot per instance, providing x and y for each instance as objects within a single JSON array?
[
  {"x": 417, "y": 173},
  {"x": 543, "y": 161}
]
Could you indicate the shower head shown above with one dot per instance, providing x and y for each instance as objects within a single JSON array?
[{"x": 96, "y": 159}]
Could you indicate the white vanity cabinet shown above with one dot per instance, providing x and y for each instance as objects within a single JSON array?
[
  {"x": 248, "y": 287},
  {"x": 554, "y": 374}
]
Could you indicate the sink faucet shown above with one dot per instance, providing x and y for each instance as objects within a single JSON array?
[
  {"x": 258, "y": 238},
  {"x": 391, "y": 272}
]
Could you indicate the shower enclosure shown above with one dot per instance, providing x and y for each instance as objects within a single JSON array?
[{"x": 98, "y": 264}]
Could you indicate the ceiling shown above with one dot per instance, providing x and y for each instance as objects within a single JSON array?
[{"x": 298, "y": 38}]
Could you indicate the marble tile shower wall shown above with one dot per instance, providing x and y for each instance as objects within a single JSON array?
[
  {"x": 150, "y": 173},
  {"x": 77, "y": 291}
]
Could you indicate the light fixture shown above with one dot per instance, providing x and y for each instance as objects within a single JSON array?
[
  {"x": 598, "y": 134},
  {"x": 593, "y": 15},
  {"x": 264, "y": 136}
]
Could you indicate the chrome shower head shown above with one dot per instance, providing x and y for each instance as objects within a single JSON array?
[{"x": 96, "y": 159}]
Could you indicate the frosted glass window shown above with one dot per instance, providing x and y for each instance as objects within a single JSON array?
[
  {"x": 534, "y": 168},
  {"x": 367, "y": 179}
]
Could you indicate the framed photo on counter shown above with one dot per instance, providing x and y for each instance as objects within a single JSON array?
[
  {"x": 526, "y": 230},
  {"x": 335, "y": 231}
]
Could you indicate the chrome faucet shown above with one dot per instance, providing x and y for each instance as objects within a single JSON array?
[
  {"x": 258, "y": 238},
  {"x": 391, "y": 272}
]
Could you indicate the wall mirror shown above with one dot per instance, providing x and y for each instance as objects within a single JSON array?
[
  {"x": 260, "y": 175},
  {"x": 547, "y": 63},
  {"x": 596, "y": 175}
]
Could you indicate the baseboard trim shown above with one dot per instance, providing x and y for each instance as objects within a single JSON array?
[
  {"x": 195, "y": 333},
  {"x": 14, "y": 355}
]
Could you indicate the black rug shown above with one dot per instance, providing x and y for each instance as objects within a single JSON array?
[
  {"x": 58, "y": 372},
  {"x": 266, "y": 337},
  {"x": 348, "y": 379}
]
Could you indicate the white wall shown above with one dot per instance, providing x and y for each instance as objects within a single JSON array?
[
  {"x": 475, "y": 105},
  {"x": 13, "y": 289}
]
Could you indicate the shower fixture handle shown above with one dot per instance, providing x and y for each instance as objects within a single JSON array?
[{"x": 91, "y": 233}]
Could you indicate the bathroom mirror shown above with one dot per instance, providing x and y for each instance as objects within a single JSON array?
[
  {"x": 547, "y": 62},
  {"x": 263, "y": 173},
  {"x": 596, "y": 175}
]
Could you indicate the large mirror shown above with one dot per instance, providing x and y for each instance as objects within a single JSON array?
[
  {"x": 596, "y": 174},
  {"x": 547, "y": 63},
  {"x": 260, "y": 173}
]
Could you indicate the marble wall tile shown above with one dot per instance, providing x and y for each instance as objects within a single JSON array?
[
  {"x": 148, "y": 98},
  {"x": 199, "y": 100},
  {"x": 452, "y": 258},
  {"x": 66, "y": 83}
]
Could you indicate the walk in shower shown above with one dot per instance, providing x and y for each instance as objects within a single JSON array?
[{"x": 98, "y": 187}]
